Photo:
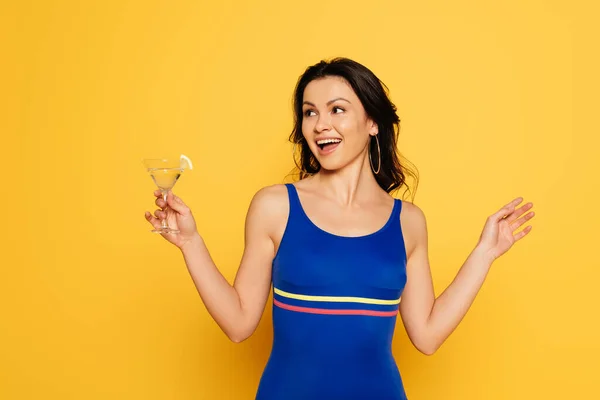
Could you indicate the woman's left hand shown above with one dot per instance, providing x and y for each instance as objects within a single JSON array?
[{"x": 498, "y": 233}]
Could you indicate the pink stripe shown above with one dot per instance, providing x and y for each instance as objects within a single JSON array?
[{"x": 334, "y": 312}]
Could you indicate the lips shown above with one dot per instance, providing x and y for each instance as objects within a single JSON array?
[{"x": 328, "y": 145}]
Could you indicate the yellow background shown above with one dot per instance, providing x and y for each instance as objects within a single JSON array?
[{"x": 496, "y": 101}]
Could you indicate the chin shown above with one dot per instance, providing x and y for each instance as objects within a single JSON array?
[{"x": 330, "y": 165}]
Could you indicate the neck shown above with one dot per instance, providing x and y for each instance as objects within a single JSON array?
[{"x": 353, "y": 183}]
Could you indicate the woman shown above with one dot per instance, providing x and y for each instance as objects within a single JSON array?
[{"x": 339, "y": 250}]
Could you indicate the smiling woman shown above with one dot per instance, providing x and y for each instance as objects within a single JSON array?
[
  {"x": 343, "y": 257},
  {"x": 346, "y": 96}
]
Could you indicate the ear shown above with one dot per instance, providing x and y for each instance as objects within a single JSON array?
[{"x": 373, "y": 128}]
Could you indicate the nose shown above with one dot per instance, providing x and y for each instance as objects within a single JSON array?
[{"x": 323, "y": 123}]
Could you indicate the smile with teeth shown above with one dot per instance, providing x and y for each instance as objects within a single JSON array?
[{"x": 322, "y": 143}]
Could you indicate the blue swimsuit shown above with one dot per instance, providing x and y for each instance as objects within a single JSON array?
[{"x": 335, "y": 301}]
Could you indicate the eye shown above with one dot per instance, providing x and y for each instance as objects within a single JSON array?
[
  {"x": 336, "y": 108},
  {"x": 307, "y": 113}
]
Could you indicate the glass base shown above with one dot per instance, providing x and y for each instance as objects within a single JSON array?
[{"x": 165, "y": 230}]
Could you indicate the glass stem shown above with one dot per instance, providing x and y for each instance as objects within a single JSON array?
[{"x": 164, "y": 224}]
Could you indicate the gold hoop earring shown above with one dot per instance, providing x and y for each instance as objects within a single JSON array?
[{"x": 378, "y": 156}]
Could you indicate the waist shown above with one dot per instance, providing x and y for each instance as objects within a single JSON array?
[
  {"x": 351, "y": 335},
  {"x": 331, "y": 375}
]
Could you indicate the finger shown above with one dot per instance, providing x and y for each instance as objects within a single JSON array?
[
  {"x": 507, "y": 209},
  {"x": 160, "y": 214},
  {"x": 160, "y": 202},
  {"x": 521, "y": 221},
  {"x": 153, "y": 221},
  {"x": 176, "y": 203},
  {"x": 515, "y": 201},
  {"x": 523, "y": 233},
  {"x": 503, "y": 212},
  {"x": 520, "y": 211}
]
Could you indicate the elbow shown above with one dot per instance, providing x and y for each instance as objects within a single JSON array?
[
  {"x": 428, "y": 350},
  {"x": 237, "y": 337},
  {"x": 239, "y": 331},
  {"x": 427, "y": 346}
]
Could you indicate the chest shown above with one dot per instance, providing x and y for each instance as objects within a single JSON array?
[
  {"x": 311, "y": 261},
  {"x": 351, "y": 222}
]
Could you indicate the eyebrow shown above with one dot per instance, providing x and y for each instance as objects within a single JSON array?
[{"x": 329, "y": 102}]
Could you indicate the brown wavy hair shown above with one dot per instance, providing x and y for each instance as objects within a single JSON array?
[{"x": 373, "y": 95}]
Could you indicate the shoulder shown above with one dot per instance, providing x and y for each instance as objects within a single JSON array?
[
  {"x": 270, "y": 202},
  {"x": 414, "y": 226},
  {"x": 412, "y": 214},
  {"x": 273, "y": 196},
  {"x": 268, "y": 212}
]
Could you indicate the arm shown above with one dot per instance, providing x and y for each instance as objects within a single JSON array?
[
  {"x": 237, "y": 308},
  {"x": 430, "y": 321}
]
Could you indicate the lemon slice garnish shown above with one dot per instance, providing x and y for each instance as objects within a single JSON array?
[{"x": 185, "y": 162}]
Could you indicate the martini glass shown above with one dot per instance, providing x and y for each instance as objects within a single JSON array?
[{"x": 165, "y": 172}]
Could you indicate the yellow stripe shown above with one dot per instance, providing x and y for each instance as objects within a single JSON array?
[{"x": 336, "y": 299}]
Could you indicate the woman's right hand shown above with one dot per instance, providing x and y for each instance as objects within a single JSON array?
[{"x": 178, "y": 216}]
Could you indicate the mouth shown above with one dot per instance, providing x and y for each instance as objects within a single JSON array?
[{"x": 328, "y": 145}]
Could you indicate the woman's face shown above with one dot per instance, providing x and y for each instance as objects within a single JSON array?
[{"x": 334, "y": 122}]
